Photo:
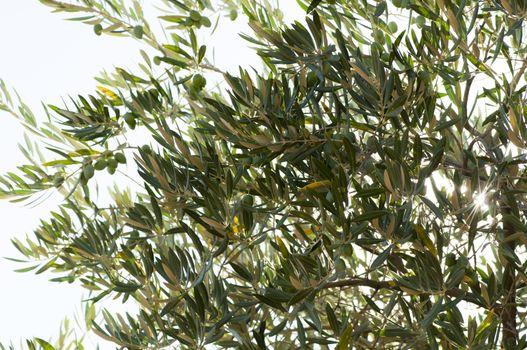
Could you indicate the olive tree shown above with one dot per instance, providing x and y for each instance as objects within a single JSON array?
[{"x": 362, "y": 186}]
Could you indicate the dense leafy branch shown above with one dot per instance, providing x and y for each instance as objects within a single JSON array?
[{"x": 358, "y": 190}]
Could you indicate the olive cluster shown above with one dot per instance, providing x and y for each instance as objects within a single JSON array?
[
  {"x": 108, "y": 160},
  {"x": 195, "y": 19}
]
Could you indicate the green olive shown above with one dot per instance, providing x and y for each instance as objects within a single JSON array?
[
  {"x": 129, "y": 118},
  {"x": 88, "y": 171},
  {"x": 138, "y": 32},
  {"x": 248, "y": 200},
  {"x": 378, "y": 35},
  {"x": 146, "y": 149},
  {"x": 97, "y": 29},
  {"x": 233, "y": 15},
  {"x": 100, "y": 164},
  {"x": 393, "y": 27},
  {"x": 205, "y": 21},
  {"x": 188, "y": 22},
  {"x": 195, "y": 16},
  {"x": 112, "y": 163},
  {"x": 420, "y": 21},
  {"x": 199, "y": 82},
  {"x": 120, "y": 158}
]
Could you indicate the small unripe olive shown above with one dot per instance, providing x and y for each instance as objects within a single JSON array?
[
  {"x": 138, "y": 32},
  {"x": 420, "y": 21},
  {"x": 97, "y": 29},
  {"x": 205, "y": 21},
  {"x": 393, "y": 27},
  {"x": 100, "y": 164},
  {"x": 120, "y": 158},
  {"x": 378, "y": 35},
  {"x": 195, "y": 16},
  {"x": 129, "y": 118},
  {"x": 248, "y": 200},
  {"x": 112, "y": 163},
  {"x": 188, "y": 22},
  {"x": 146, "y": 149},
  {"x": 88, "y": 171},
  {"x": 198, "y": 82}
]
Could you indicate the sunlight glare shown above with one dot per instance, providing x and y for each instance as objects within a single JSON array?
[{"x": 480, "y": 201}]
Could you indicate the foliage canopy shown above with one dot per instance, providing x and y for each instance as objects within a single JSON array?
[{"x": 362, "y": 189}]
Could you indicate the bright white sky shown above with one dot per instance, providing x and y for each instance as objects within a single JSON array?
[{"x": 45, "y": 59}]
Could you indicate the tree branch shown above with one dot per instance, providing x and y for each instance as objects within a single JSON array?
[
  {"x": 509, "y": 312},
  {"x": 361, "y": 282},
  {"x": 453, "y": 292}
]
